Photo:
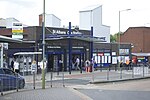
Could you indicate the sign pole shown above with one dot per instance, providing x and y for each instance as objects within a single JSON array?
[{"x": 43, "y": 70}]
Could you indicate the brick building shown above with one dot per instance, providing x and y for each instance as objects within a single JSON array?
[{"x": 139, "y": 37}]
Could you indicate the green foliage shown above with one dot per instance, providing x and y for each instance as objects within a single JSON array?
[{"x": 113, "y": 38}]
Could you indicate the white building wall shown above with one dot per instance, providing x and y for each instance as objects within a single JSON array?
[
  {"x": 93, "y": 17},
  {"x": 10, "y": 21},
  {"x": 56, "y": 22},
  {"x": 97, "y": 16},
  {"x": 48, "y": 20},
  {"x": 52, "y": 21},
  {"x": 85, "y": 20},
  {"x": 2, "y": 22},
  {"x": 105, "y": 32}
]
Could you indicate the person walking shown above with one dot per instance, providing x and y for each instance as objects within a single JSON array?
[
  {"x": 12, "y": 64},
  {"x": 34, "y": 67},
  {"x": 16, "y": 67},
  {"x": 77, "y": 63},
  {"x": 43, "y": 67},
  {"x": 87, "y": 66}
]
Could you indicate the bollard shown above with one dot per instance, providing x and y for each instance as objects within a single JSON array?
[
  {"x": 1, "y": 85},
  {"x": 63, "y": 77},
  {"x": 109, "y": 67},
  {"x": 51, "y": 76},
  {"x": 108, "y": 74},
  {"x": 17, "y": 83},
  {"x": 143, "y": 71},
  {"x": 120, "y": 72},
  {"x": 101, "y": 68},
  {"x": 92, "y": 73},
  {"x": 57, "y": 71},
  {"x": 132, "y": 72},
  {"x": 80, "y": 69},
  {"x": 33, "y": 80}
]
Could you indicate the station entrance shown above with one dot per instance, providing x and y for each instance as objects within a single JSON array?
[
  {"x": 56, "y": 61},
  {"x": 53, "y": 62}
]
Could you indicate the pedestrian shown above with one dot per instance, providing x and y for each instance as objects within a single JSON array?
[
  {"x": 34, "y": 67},
  {"x": 12, "y": 64},
  {"x": 121, "y": 64},
  {"x": 93, "y": 65},
  {"x": 77, "y": 63},
  {"x": 127, "y": 63},
  {"x": 16, "y": 67},
  {"x": 87, "y": 66},
  {"x": 43, "y": 62}
]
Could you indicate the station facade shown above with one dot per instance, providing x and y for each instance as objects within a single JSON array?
[{"x": 66, "y": 45}]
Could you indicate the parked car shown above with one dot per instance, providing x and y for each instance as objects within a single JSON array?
[{"x": 10, "y": 80}]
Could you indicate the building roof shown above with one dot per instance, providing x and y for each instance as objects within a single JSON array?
[
  {"x": 90, "y": 8},
  {"x": 140, "y": 27},
  {"x": 76, "y": 36}
]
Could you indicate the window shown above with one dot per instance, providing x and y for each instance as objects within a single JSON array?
[{"x": 9, "y": 72}]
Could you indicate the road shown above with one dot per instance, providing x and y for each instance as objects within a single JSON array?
[
  {"x": 77, "y": 87},
  {"x": 136, "y": 85},
  {"x": 129, "y": 90}
]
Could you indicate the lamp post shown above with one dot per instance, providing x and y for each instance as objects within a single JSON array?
[
  {"x": 43, "y": 43},
  {"x": 119, "y": 16},
  {"x": 119, "y": 36}
]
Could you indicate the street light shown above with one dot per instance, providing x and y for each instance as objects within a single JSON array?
[
  {"x": 119, "y": 35},
  {"x": 119, "y": 16}
]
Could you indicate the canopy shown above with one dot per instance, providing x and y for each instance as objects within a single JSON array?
[
  {"x": 8, "y": 39},
  {"x": 141, "y": 54},
  {"x": 28, "y": 53}
]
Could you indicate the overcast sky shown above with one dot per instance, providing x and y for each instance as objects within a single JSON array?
[{"x": 27, "y": 11}]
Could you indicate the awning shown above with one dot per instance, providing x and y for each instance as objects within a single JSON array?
[
  {"x": 90, "y": 39},
  {"x": 8, "y": 39},
  {"x": 76, "y": 36},
  {"x": 28, "y": 53},
  {"x": 141, "y": 54}
]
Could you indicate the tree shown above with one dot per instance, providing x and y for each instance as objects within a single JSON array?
[{"x": 113, "y": 38}]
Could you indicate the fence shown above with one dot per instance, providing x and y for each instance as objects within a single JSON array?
[
  {"x": 12, "y": 82},
  {"x": 15, "y": 83},
  {"x": 122, "y": 73}
]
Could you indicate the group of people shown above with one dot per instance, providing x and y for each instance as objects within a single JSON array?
[
  {"x": 78, "y": 65},
  {"x": 84, "y": 65},
  {"x": 127, "y": 64},
  {"x": 15, "y": 66}
]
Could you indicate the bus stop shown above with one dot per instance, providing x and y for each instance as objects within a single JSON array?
[{"x": 25, "y": 61}]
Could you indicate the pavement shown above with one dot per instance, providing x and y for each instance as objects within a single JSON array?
[{"x": 63, "y": 86}]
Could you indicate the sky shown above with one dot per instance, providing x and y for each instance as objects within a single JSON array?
[{"x": 27, "y": 11}]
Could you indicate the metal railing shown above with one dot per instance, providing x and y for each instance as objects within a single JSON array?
[{"x": 53, "y": 79}]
